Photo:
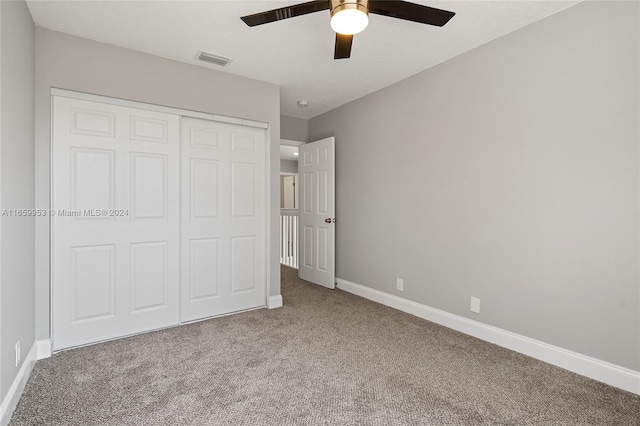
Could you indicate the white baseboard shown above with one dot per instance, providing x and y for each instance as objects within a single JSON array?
[
  {"x": 43, "y": 348},
  {"x": 274, "y": 302},
  {"x": 12, "y": 397},
  {"x": 596, "y": 369}
]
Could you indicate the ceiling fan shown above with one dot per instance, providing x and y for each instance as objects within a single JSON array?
[{"x": 349, "y": 17}]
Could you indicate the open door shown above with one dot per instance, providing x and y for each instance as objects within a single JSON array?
[{"x": 316, "y": 173}]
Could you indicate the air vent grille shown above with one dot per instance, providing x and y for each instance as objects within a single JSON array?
[{"x": 213, "y": 59}]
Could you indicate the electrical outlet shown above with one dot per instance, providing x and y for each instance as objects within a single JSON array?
[
  {"x": 474, "y": 306},
  {"x": 17, "y": 353},
  {"x": 400, "y": 284}
]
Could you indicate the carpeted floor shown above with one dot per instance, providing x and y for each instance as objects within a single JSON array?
[{"x": 326, "y": 357}]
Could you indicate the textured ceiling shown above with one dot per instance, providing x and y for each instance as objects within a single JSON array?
[{"x": 296, "y": 54}]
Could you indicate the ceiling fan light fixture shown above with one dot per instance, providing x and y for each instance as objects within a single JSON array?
[{"x": 349, "y": 17}]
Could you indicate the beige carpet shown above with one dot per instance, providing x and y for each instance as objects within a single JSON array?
[{"x": 326, "y": 357}]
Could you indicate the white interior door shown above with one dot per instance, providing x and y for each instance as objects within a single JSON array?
[
  {"x": 115, "y": 230},
  {"x": 223, "y": 218},
  {"x": 316, "y": 173},
  {"x": 289, "y": 192}
]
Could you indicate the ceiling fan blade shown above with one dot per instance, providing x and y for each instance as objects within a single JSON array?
[
  {"x": 286, "y": 12},
  {"x": 343, "y": 46},
  {"x": 410, "y": 12}
]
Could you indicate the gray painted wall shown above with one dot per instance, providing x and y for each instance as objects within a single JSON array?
[
  {"x": 509, "y": 173},
  {"x": 73, "y": 63},
  {"x": 295, "y": 129},
  {"x": 288, "y": 166},
  {"x": 17, "y": 255}
]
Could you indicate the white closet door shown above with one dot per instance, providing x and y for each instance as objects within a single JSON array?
[
  {"x": 223, "y": 218},
  {"x": 115, "y": 229}
]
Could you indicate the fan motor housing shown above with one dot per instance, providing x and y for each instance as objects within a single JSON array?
[{"x": 340, "y": 5}]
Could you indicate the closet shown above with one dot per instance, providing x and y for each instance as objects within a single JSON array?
[{"x": 158, "y": 217}]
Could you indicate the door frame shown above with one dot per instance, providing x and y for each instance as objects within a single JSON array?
[{"x": 270, "y": 301}]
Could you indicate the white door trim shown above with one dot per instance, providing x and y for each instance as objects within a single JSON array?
[
  {"x": 158, "y": 108},
  {"x": 290, "y": 142}
]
